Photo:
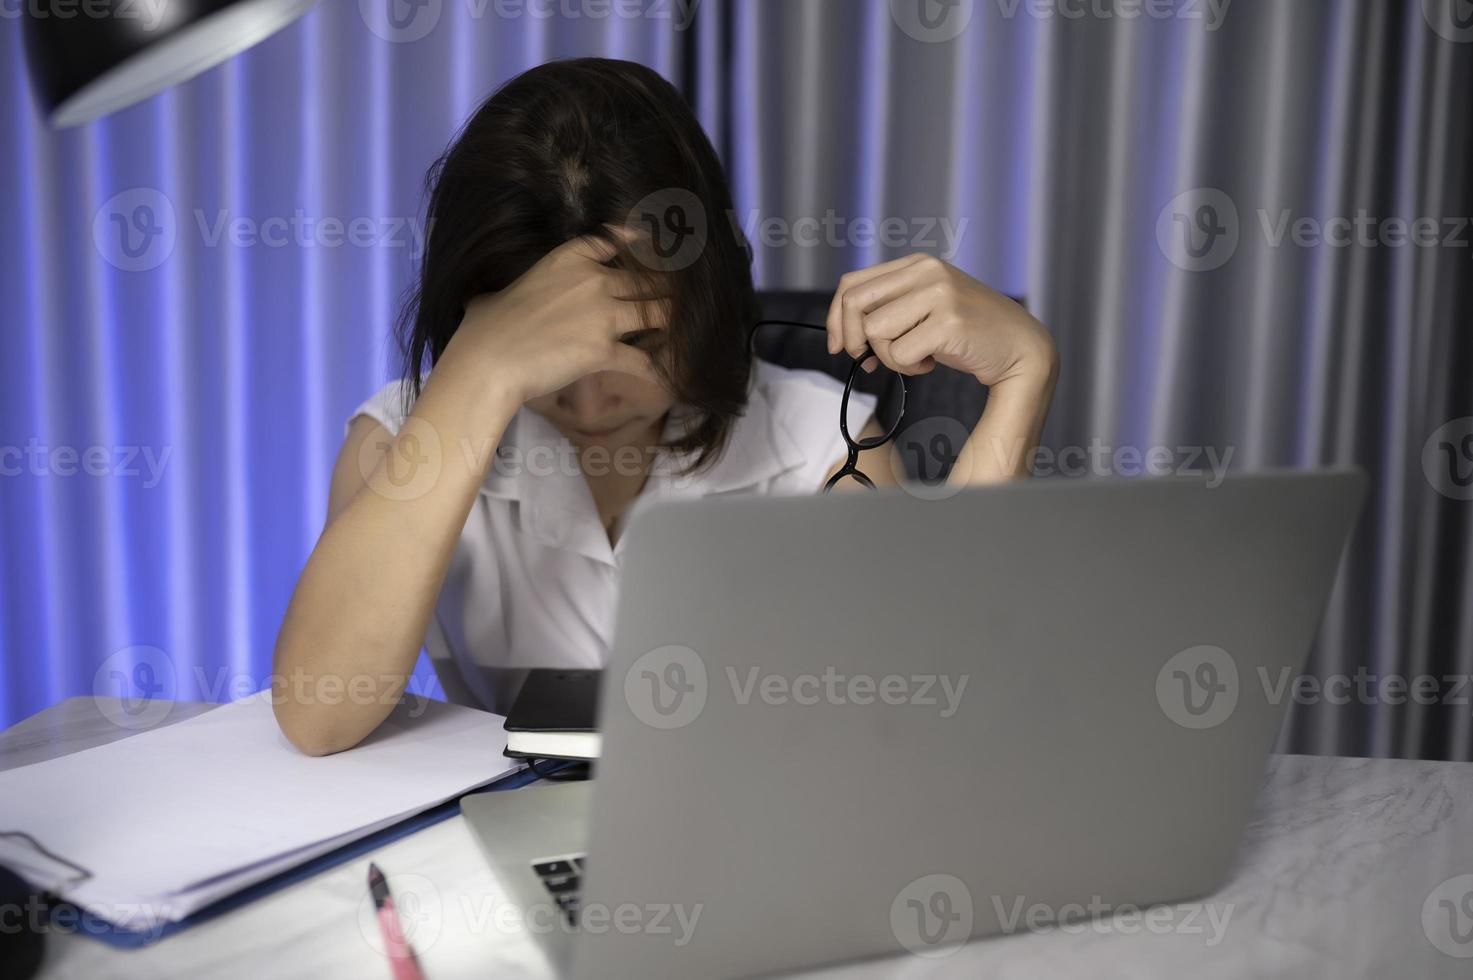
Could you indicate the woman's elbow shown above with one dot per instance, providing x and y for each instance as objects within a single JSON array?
[
  {"x": 316, "y": 726},
  {"x": 308, "y": 729},
  {"x": 321, "y": 708}
]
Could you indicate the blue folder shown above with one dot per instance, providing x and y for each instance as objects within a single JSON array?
[{"x": 67, "y": 917}]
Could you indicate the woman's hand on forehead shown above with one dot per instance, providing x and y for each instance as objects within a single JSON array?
[{"x": 571, "y": 314}]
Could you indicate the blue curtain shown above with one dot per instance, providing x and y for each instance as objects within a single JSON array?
[
  {"x": 198, "y": 290},
  {"x": 189, "y": 315}
]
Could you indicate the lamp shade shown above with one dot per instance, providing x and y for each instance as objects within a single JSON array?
[{"x": 112, "y": 53}]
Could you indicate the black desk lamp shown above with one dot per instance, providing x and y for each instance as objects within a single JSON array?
[{"x": 109, "y": 54}]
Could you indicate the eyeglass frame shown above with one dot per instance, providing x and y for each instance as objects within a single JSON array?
[{"x": 856, "y": 446}]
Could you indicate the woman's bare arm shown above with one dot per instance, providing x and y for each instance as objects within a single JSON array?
[
  {"x": 916, "y": 312},
  {"x": 357, "y": 618},
  {"x": 358, "y": 615},
  {"x": 1000, "y": 447}
]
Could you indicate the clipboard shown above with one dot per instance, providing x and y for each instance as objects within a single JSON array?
[{"x": 68, "y": 918}]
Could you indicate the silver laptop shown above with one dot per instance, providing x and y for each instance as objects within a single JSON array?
[{"x": 871, "y": 724}]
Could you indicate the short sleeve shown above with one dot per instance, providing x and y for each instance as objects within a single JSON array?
[
  {"x": 806, "y": 403},
  {"x": 386, "y": 407}
]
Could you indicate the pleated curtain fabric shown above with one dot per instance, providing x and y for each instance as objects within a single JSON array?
[
  {"x": 1245, "y": 222},
  {"x": 1318, "y": 314}
]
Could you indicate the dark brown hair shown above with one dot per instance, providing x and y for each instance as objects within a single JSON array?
[{"x": 567, "y": 149}]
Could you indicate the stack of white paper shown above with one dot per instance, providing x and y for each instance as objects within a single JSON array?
[{"x": 173, "y": 819}]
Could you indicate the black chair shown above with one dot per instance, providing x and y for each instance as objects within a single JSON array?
[{"x": 944, "y": 394}]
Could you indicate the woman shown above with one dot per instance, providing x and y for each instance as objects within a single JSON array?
[{"x": 573, "y": 368}]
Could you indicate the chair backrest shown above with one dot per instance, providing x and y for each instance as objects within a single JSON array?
[{"x": 944, "y": 393}]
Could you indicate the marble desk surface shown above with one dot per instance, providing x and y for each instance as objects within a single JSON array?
[{"x": 1349, "y": 868}]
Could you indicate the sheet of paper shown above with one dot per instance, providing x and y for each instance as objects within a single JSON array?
[{"x": 183, "y": 815}]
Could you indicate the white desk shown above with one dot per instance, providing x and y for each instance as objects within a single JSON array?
[{"x": 1333, "y": 880}]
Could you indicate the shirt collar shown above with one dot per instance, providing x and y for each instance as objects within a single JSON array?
[
  {"x": 536, "y": 467},
  {"x": 758, "y": 448}
]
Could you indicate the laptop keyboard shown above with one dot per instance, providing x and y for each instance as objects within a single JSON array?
[{"x": 563, "y": 879}]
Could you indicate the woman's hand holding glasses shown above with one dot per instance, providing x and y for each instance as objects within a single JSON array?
[{"x": 916, "y": 312}]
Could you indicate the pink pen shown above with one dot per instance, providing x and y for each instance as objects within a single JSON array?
[{"x": 396, "y": 947}]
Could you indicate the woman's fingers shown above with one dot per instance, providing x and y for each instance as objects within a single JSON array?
[
  {"x": 915, "y": 350},
  {"x": 848, "y": 283},
  {"x": 635, "y": 316},
  {"x": 859, "y": 296},
  {"x": 858, "y": 301},
  {"x": 892, "y": 320},
  {"x": 590, "y": 247},
  {"x": 632, "y": 360}
]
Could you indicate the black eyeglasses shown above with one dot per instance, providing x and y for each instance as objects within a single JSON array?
[{"x": 856, "y": 446}]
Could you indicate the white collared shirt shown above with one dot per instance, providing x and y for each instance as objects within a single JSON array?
[{"x": 533, "y": 579}]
